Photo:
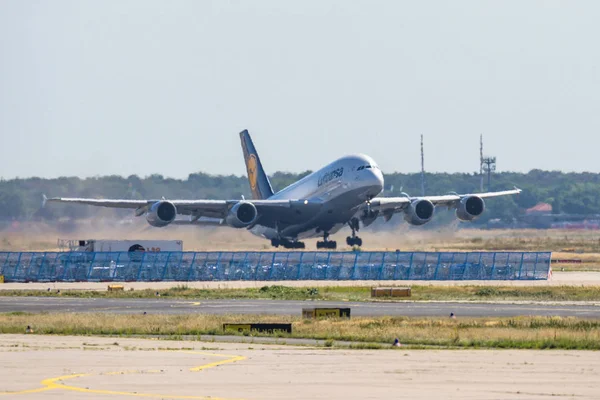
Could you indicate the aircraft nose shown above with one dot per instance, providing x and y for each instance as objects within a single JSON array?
[{"x": 377, "y": 177}]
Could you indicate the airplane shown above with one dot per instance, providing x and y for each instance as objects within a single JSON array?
[{"x": 343, "y": 193}]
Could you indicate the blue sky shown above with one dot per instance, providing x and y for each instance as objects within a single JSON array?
[{"x": 139, "y": 87}]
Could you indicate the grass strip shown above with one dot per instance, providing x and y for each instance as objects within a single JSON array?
[
  {"x": 336, "y": 293},
  {"x": 514, "y": 333}
]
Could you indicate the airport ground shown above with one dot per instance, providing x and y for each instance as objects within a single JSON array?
[
  {"x": 46, "y": 367},
  {"x": 118, "y": 366}
]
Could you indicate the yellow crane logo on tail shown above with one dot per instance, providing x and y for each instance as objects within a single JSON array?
[{"x": 251, "y": 167}]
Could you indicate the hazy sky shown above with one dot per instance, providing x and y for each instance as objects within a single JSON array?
[{"x": 140, "y": 87}]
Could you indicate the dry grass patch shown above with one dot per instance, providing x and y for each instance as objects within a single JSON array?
[
  {"x": 522, "y": 332},
  {"x": 342, "y": 293}
]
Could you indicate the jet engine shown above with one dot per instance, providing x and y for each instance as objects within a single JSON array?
[
  {"x": 241, "y": 215},
  {"x": 470, "y": 208},
  {"x": 419, "y": 212},
  {"x": 161, "y": 213}
]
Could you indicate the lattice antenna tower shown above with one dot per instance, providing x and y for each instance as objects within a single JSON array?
[
  {"x": 422, "y": 168},
  {"x": 489, "y": 166}
]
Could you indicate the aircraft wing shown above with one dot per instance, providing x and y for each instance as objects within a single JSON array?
[
  {"x": 396, "y": 204},
  {"x": 216, "y": 208},
  {"x": 269, "y": 211}
]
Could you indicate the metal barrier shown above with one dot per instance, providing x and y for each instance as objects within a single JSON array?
[{"x": 271, "y": 266}]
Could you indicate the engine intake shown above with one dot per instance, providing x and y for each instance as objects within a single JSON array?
[
  {"x": 470, "y": 208},
  {"x": 419, "y": 212},
  {"x": 162, "y": 213},
  {"x": 241, "y": 215}
]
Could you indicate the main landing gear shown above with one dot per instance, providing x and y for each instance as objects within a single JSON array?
[
  {"x": 327, "y": 244},
  {"x": 353, "y": 240},
  {"x": 287, "y": 244}
]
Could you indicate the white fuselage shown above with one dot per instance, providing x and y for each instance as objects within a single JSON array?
[{"x": 342, "y": 187}]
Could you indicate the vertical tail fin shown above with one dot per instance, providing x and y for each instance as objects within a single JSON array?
[{"x": 259, "y": 183}]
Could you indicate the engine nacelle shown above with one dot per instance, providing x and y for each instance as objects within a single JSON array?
[
  {"x": 161, "y": 213},
  {"x": 419, "y": 212},
  {"x": 470, "y": 208},
  {"x": 241, "y": 215}
]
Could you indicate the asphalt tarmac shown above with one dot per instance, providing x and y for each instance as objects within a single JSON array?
[
  {"x": 40, "y": 367},
  {"x": 283, "y": 307}
]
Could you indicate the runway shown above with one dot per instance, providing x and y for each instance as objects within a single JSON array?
[{"x": 283, "y": 307}]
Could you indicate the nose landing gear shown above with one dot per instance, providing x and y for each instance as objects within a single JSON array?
[{"x": 353, "y": 241}]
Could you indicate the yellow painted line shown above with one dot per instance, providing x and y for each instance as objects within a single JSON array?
[
  {"x": 230, "y": 359},
  {"x": 42, "y": 389},
  {"x": 56, "y": 383},
  {"x": 52, "y": 384}
]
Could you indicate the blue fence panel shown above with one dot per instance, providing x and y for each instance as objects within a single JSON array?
[
  {"x": 3, "y": 259},
  {"x": 99, "y": 265},
  {"x": 248, "y": 268},
  {"x": 511, "y": 271},
  {"x": 198, "y": 266},
  {"x": 32, "y": 267},
  {"x": 473, "y": 267},
  {"x": 346, "y": 266},
  {"x": 541, "y": 266},
  {"x": 220, "y": 268},
  {"x": 460, "y": 266},
  {"x": 182, "y": 272},
  {"x": 29, "y": 265},
  {"x": 305, "y": 265},
  {"x": 444, "y": 265},
  {"x": 361, "y": 266},
  {"x": 10, "y": 265},
  {"x": 278, "y": 261},
  {"x": 291, "y": 267},
  {"x": 271, "y": 266},
  {"x": 318, "y": 270},
  {"x": 260, "y": 266},
  {"x": 233, "y": 266},
  {"x": 206, "y": 269}
]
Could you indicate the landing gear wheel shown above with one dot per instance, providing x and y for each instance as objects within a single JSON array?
[
  {"x": 330, "y": 244},
  {"x": 353, "y": 241},
  {"x": 292, "y": 244},
  {"x": 298, "y": 245},
  {"x": 326, "y": 244},
  {"x": 275, "y": 243}
]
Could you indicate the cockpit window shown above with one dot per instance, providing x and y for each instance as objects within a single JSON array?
[{"x": 367, "y": 166}]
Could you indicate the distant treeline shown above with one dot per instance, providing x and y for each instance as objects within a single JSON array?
[{"x": 21, "y": 199}]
